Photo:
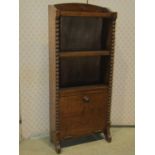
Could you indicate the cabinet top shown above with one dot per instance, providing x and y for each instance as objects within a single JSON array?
[{"x": 80, "y": 7}]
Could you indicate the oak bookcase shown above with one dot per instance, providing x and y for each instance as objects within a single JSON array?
[{"x": 81, "y": 54}]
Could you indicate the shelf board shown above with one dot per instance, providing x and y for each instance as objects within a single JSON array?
[
  {"x": 87, "y": 14},
  {"x": 83, "y": 53},
  {"x": 74, "y": 90}
]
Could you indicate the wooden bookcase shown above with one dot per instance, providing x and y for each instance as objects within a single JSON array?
[{"x": 81, "y": 53}]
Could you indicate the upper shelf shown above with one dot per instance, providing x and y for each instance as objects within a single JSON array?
[
  {"x": 83, "y": 53},
  {"x": 86, "y": 14},
  {"x": 80, "y": 9}
]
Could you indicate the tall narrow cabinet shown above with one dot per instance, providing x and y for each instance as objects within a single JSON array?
[{"x": 81, "y": 54}]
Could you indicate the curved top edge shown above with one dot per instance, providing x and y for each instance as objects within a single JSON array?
[{"x": 80, "y": 7}]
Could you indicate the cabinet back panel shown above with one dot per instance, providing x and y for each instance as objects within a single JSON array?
[
  {"x": 79, "y": 71},
  {"x": 83, "y": 33}
]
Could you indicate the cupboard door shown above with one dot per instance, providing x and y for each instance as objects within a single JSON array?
[{"x": 83, "y": 113}]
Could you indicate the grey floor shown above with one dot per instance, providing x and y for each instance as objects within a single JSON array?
[{"x": 123, "y": 143}]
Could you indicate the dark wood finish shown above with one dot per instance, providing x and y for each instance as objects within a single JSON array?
[
  {"x": 79, "y": 71},
  {"x": 81, "y": 54},
  {"x": 53, "y": 76},
  {"x": 86, "y": 70},
  {"x": 83, "y": 113},
  {"x": 81, "y": 89},
  {"x": 80, "y": 7},
  {"x": 83, "y": 33},
  {"x": 86, "y": 14}
]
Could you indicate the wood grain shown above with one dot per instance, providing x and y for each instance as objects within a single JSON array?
[
  {"x": 83, "y": 53},
  {"x": 80, "y": 7},
  {"x": 82, "y": 89},
  {"x": 53, "y": 82},
  {"x": 52, "y": 68},
  {"x": 79, "y": 116},
  {"x": 86, "y": 14}
]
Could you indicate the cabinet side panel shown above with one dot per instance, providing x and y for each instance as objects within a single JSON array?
[{"x": 52, "y": 69}]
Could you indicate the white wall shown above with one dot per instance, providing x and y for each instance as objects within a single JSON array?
[{"x": 34, "y": 81}]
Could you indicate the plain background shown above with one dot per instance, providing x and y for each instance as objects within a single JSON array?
[{"x": 34, "y": 64}]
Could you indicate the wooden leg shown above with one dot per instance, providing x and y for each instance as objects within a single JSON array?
[
  {"x": 57, "y": 142},
  {"x": 58, "y": 147},
  {"x": 107, "y": 135}
]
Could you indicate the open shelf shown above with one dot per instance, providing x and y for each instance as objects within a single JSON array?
[
  {"x": 84, "y": 33},
  {"x": 83, "y": 53},
  {"x": 84, "y": 50},
  {"x": 83, "y": 71}
]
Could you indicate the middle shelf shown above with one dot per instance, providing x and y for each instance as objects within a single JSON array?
[
  {"x": 83, "y": 53},
  {"x": 83, "y": 89}
]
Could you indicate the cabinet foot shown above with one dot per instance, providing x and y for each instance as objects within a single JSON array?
[
  {"x": 107, "y": 135},
  {"x": 58, "y": 148}
]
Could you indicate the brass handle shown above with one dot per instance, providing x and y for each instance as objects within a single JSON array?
[{"x": 86, "y": 99}]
